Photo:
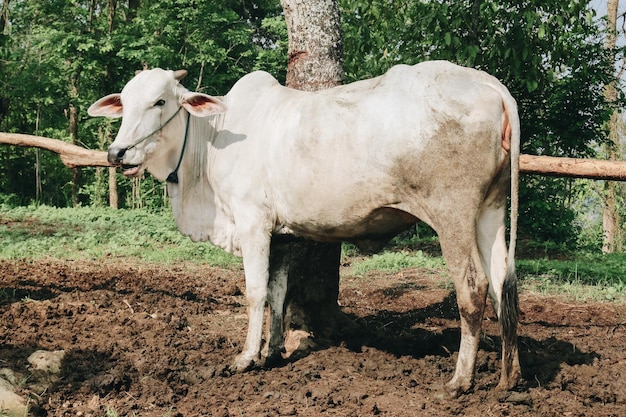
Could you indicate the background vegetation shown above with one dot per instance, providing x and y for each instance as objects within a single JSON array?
[{"x": 58, "y": 56}]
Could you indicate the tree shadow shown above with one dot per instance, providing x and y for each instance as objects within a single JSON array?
[
  {"x": 16, "y": 357},
  {"x": 36, "y": 291},
  {"x": 399, "y": 333},
  {"x": 98, "y": 371},
  {"x": 32, "y": 290},
  {"x": 25, "y": 291}
]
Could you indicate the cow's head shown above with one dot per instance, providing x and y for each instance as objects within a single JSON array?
[{"x": 153, "y": 121}]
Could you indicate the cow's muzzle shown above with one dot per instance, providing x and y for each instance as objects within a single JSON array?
[{"x": 116, "y": 155}]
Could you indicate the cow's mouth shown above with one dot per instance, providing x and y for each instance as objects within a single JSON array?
[{"x": 130, "y": 170}]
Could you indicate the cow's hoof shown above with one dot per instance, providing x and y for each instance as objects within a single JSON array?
[
  {"x": 444, "y": 393},
  {"x": 507, "y": 384},
  {"x": 451, "y": 391},
  {"x": 243, "y": 363}
]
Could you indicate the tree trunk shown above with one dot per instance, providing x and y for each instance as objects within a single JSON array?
[
  {"x": 111, "y": 15},
  {"x": 133, "y": 5},
  {"x": 610, "y": 216},
  {"x": 315, "y": 45},
  {"x": 4, "y": 36},
  {"x": 4, "y": 17},
  {"x": 38, "y": 187},
  {"x": 315, "y": 62},
  {"x": 73, "y": 129}
]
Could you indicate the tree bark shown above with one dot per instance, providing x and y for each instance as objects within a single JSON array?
[
  {"x": 315, "y": 63},
  {"x": 315, "y": 44},
  {"x": 4, "y": 17},
  {"x": 73, "y": 129},
  {"x": 4, "y": 36}
]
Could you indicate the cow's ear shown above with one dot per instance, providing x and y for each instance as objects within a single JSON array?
[
  {"x": 108, "y": 106},
  {"x": 202, "y": 105}
]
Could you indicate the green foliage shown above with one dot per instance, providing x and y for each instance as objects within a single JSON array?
[
  {"x": 603, "y": 269},
  {"x": 545, "y": 214},
  {"x": 58, "y": 55},
  {"x": 30, "y": 232},
  {"x": 549, "y": 54},
  {"x": 207, "y": 38},
  {"x": 64, "y": 54},
  {"x": 273, "y": 56},
  {"x": 17, "y": 175}
]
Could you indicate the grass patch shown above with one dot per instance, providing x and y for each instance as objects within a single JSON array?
[
  {"x": 35, "y": 232},
  {"x": 575, "y": 290},
  {"x": 390, "y": 261},
  {"x": 585, "y": 277},
  {"x": 582, "y": 277}
]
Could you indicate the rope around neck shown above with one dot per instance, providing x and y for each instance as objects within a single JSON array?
[{"x": 173, "y": 177}]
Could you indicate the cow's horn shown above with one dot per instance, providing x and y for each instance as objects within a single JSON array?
[{"x": 180, "y": 74}]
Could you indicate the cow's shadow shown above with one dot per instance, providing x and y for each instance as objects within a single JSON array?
[{"x": 400, "y": 334}]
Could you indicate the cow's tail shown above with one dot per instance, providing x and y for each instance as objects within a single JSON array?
[{"x": 509, "y": 306}]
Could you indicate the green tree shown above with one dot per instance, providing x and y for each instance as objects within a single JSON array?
[
  {"x": 549, "y": 53},
  {"x": 58, "y": 56},
  {"x": 61, "y": 55}
]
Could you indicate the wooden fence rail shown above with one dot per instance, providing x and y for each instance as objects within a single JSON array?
[{"x": 75, "y": 156}]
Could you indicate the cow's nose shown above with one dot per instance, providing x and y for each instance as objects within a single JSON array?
[{"x": 116, "y": 155}]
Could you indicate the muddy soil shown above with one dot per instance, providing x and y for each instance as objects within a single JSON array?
[{"x": 153, "y": 340}]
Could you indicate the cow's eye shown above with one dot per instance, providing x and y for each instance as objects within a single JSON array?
[{"x": 159, "y": 103}]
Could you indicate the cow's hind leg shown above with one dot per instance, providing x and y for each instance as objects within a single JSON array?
[
  {"x": 463, "y": 260},
  {"x": 502, "y": 288}
]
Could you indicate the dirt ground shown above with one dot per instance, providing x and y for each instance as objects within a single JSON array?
[{"x": 143, "y": 340}]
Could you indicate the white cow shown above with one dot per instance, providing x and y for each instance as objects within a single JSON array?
[{"x": 434, "y": 141}]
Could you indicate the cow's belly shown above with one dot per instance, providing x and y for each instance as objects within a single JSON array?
[{"x": 381, "y": 223}]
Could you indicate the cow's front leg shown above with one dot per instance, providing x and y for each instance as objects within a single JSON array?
[{"x": 255, "y": 248}]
